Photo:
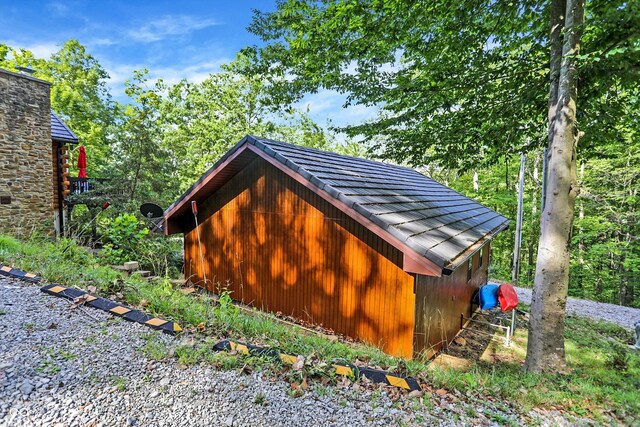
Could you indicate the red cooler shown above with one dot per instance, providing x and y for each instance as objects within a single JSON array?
[{"x": 507, "y": 297}]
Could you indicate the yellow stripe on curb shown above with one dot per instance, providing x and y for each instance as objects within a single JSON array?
[
  {"x": 287, "y": 358},
  {"x": 88, "y": 298},
  {"x": 343, "y": 370},
  {"x": 239, "y": 347},
  {"x": 120, "y": 310},
  {"x": 155, "y": 322},
  {"x": 57, "y": 289},
  {"x": 398, "y": 382},
  {"x": 176, "y": 327},
  {"x": 30, "y": 275},
  {"x": 5, "y": 268}
]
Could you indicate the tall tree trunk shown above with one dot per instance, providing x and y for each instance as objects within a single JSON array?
[
  {"x": 545, "y": 351},
  {"x": 534, "y": 222}
]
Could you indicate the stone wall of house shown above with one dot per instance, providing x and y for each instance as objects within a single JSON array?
[{"x": 26, "y": 191}]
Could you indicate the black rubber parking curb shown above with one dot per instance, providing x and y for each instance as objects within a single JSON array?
[
  {"x": 19, "y": 274},
  {"x": 127, "y": 313},
  {"x": 133, "y": 315},
  {"x": 357, "y": 372}
]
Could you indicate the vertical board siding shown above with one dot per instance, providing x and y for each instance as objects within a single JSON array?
[
  {"x": 54, "y": 176},
  {"x": 440, "y": 302},
  {"x": 278, "y": 246}
]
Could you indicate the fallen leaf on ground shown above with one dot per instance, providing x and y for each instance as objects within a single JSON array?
[
  {"x": 299, "y": 363},
  {"x": 441, "y": 392},
  {"x": 77, "y": 302}
]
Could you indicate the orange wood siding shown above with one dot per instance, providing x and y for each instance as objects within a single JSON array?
[
  {"x": 280, "y": 247},
  {"x": 440, "y": 302},
  {"x": 54, "y": 156}
]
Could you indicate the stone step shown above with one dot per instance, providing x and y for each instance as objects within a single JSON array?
[
  {"x": 143, "y": 273},
  {"x": 131, "y": 265}
]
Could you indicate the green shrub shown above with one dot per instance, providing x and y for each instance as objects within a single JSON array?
[
  {"x": 161, "y": 254},
  {"x": 122, "y": 237},
  {"x": 126, "y": 238}
]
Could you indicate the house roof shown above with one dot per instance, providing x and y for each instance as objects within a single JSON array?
[
  {"x": 426, "y": 220},
  {"x": 60, "y": 131}
]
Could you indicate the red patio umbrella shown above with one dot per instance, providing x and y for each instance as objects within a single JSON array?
[{"x": 82, "y": 163}]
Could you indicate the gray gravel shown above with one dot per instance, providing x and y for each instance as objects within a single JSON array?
[
  {"x": 82, "y": 367},
  {"x": 623, "y": 316}
]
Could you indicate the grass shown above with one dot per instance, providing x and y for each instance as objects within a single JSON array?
[
  {"x": 260, "y": 399},
  {"x": 595, "y": 386},
  {"x": 604, "y": 376},
  {"x": 119, "y": 382}
]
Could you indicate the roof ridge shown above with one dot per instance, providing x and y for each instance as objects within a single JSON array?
[{"x": 340, "y": 155}]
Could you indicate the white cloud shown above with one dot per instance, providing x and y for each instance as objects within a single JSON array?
[
  {"x": 39, "y": 50},
  {"x": 328, "y": 104},
  {"x": 169, "y": 26},
  {"x": 196, "y": 73},
  {"x": 57, "y": 8},
  {"x": 101, "y": 41}
]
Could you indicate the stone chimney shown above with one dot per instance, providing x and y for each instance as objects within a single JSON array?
[{"x": 26, "y": 187}]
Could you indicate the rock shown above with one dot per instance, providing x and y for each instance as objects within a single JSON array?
[
  {"x": 165, "y": 382},
  {"x": 132, "y": 421},
  {"x": 229, "y": 421},
  {"x": 26, "y": 388},
  {"x": 131, "y": 265},
  {"x": 460, "y": 341}
]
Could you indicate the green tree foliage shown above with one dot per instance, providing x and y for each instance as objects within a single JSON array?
[
  {"x": 201, "y": 121},
  {"x": 606, "y": 257},
  {"x": 79, "y": 94},
  {"x": 140, "y": 166},
  {"x": 458, "y": 83}
]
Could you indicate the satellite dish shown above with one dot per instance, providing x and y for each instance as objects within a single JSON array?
[{"x": 150, "y": 210}]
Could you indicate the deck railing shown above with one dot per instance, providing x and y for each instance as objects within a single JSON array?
[{"x": 83, "y": 185}]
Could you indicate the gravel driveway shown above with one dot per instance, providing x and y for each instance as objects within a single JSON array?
[
  {"x": 623, "y": 316},
  {"x": 79, "y": 367},
  {"x": 82, "y": 367}
]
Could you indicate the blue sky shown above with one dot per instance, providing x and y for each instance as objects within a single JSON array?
[{"x": 173, "y": 39}]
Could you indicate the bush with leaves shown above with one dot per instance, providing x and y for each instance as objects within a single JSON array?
[
  {"x": 161, "y": 254},
  {"x": 122, "y": 237}
]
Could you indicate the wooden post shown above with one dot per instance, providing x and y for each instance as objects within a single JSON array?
[{"x": 518, "y": 239}]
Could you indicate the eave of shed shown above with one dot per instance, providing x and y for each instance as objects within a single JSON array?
[
  {"x": 60, "y": 131},
  {"x": 435, "y": 227}
]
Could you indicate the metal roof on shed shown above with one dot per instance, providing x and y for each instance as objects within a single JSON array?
[
  {"x": 433, "y": 220},
  {"x": 60, "y": 131}
]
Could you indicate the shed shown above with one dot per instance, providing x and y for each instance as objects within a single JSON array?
[{"x": 374, "y": 251}]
